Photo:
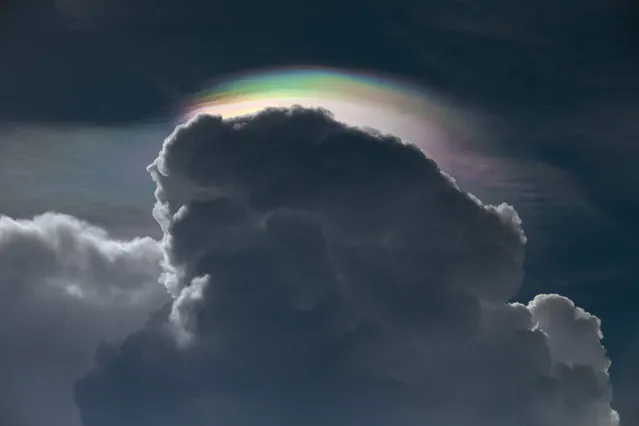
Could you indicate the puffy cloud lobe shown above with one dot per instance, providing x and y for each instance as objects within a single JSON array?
[
  {"x": 54, "y": 250},
  {"x": 573, "y": 334},
  {"x": 578, "y": 357},
  {"x": 66, "y": 286},
  {"x": 326, "y": 275}
]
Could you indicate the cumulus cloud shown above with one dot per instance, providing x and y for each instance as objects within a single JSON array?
[
  {"x": 66, "y": 286},
  {"x": 324, "y": 275}
]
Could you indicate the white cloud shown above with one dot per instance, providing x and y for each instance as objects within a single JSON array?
[{"x": 66, "y": 286}]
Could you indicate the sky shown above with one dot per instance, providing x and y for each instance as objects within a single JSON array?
[{"x": 254, "y": 273}]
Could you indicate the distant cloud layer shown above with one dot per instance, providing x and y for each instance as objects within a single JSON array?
[
  {"x": 323, "y": 275},
  {"x": 66, "y": 286}
]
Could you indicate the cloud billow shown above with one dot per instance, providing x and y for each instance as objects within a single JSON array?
[{"x": 322, "y": 274}]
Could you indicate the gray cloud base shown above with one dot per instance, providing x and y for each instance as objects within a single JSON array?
[{"x": 324, "y": 275}]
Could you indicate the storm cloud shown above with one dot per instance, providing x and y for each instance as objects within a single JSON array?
[{"x": 323, "y": 274}]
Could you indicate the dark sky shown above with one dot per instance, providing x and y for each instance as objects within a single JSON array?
[
  {"x": 559, "y": 78},
  {"x": 102, "y": 60}
]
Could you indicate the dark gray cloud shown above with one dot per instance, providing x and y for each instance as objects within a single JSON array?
[
  {"x": 324, "y": 275},
  {"x": 65, "y": 287}
]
